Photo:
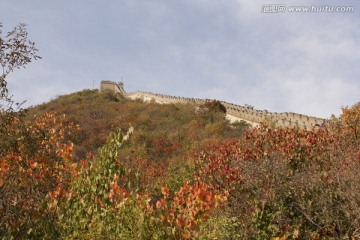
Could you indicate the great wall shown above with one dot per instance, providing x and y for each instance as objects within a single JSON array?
[{"x": 234, "y": 112}]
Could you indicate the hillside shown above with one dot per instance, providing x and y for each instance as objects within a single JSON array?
[
  {"x": 181, "y": 171},
  {"x": 98, "y": 114},
  {"x": 164, "y": 134}
]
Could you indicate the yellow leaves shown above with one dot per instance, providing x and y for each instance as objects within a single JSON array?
[
  {"x": 296, "y": 234},
  {"x": 284, "y": 236},
  {"x": 350, "y": 118},
  {"x": 65, "y": 150},
  {"x": 279, "y": 238}
]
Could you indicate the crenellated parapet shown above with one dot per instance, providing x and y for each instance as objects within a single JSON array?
[
  {"x": 234, "y": 112},
  {"x": 238, "y": 112},
  {"x": 161, "y": 98}
]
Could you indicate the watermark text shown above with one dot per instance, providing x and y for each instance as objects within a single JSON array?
[{"x": 282, "y": 8}]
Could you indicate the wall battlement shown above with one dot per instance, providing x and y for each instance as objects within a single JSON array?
[
  {"x": 254, "y": 116},
  {"x": 110, "y": 85},
  {"x": 234, "y": 111}
]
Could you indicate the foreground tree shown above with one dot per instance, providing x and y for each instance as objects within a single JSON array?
[
  {"x": 16, "y": 51},
  {"x": 34, "y": 155},
  {"x": 35, "y": 163},
  {"x": 350, "y": 118}
]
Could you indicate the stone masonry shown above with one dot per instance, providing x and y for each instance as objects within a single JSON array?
[
  {"x": 110, "y": 85},
  {"x": 234, "y": 111}
]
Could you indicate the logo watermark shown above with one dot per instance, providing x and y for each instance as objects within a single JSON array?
[{"x": 282, "y": 8}]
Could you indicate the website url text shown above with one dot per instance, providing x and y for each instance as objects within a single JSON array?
[{"x": 282, "y": 8}]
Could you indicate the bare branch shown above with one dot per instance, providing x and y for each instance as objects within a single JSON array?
[{"x": 16, "y": 51}]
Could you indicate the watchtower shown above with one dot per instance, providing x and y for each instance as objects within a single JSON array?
[{"x": 113, "y": 86}]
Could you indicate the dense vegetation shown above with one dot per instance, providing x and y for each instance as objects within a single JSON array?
[
  {"x": 157, "y": 126},
  {"x": 177, "y": 174},
  {"x": 174, "y": 173},
  {"x": 165, "y": 136}
]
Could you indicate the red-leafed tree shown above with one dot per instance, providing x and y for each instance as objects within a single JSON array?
[
  {"x": 192, "y": 203},
  {"x": 35, "y": 165}
]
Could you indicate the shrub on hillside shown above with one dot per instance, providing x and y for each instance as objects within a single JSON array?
[{"x": 288, "y": 182}]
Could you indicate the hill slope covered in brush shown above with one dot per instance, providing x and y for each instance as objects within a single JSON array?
[
  {"x": 176, "y": 125},
  {"x": 164, "y": 135},
  {"x": 173, "y": 172}
]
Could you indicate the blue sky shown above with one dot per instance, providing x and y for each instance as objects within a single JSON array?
[{"x": 229, "y": 50}]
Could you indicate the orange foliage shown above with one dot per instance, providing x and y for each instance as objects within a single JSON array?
[
  {"x": 188, "y": 206},
  {"x": 36, "y": 166},
  {"x": 146, "y": 174},
  {"x": 351, "y": 119},
  {"x": 280, "y": 174}
]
